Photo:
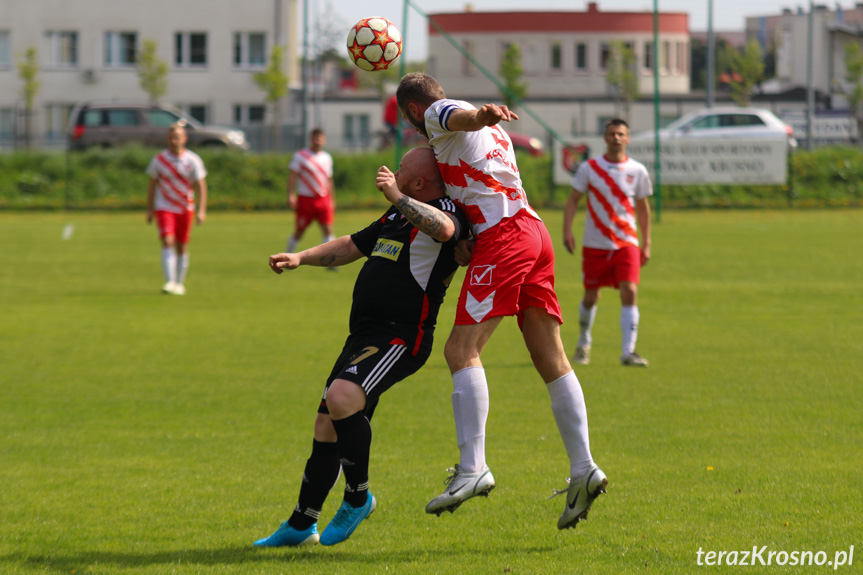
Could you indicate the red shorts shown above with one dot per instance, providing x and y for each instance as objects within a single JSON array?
[
  {"x": 317, "y": 209},
  {"x": 177, "y": 225},
  {"x": 610, "y": 267},
  {"x": 511, "y": 269}
]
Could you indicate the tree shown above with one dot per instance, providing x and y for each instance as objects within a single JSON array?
[
  {"x": 854, "y": 88},
  {"x": 274, "y": 83},
  {"x": 511, "y": 72},
  {"x": 28, "y": 69},
  {"x": 748, "y": 67},
  {"x": 152, "y": 71},
  {"x": 622, "y": 77}
]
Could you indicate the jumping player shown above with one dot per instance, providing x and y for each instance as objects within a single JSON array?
[
  {"x": 511, "y": 272},
  {"x": 617, "y": 188},
  {"x": 396, "y": 299},
  {"x": 311, "y": 191},
  {"x": 176, "y": 175}
]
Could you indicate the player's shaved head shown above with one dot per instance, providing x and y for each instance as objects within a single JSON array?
[{"x": 419, "y": 175}]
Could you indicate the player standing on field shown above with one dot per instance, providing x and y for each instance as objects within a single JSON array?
[
  {"x": 617, "y": 188},
  {"x": 397, "y": 296},
  {"x": 511, "y": 272},
  {"x": 311, "y": 191},
  {"x": 176, "y": 175}
]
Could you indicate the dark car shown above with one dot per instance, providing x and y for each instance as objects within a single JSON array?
[{"x": 113, "y": 124}]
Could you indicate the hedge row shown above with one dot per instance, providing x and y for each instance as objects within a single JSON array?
[{"x": 115, "y": 179}]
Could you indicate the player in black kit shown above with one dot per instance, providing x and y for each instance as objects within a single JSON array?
[{"x": 397, "y": 295}]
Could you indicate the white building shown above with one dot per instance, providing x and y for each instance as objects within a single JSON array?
[
  {"x": 87, "y": 51},
  {"x": 564, "y": 54}
]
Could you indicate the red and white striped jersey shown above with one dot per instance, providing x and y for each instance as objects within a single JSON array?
[
  {"x": 610, "y": 190},
  {"x": 314, "y": 171},
  {"x": 175, "y": 180},
  {"x": 478, "y": 168}
]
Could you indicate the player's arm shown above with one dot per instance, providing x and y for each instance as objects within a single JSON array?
[
  {"x": 569, "y": 211},
  {"x": 292, "y": 186},
  {"x": 201, "y": 190},
  {"x": 642, "y": 214},
  {"x": 151, "y": 198},
  {"x": 427, "y": 219},
  {"x": 474, "y": 120},
  {"x": 337, "y": 252}
]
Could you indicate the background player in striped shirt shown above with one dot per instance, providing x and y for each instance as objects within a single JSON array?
[
  {"x": 176, "y": 175},
  {"x": 396, "y": 299},
  {"x": 617, "y": 188},
  {"x": 311, "y": 191},
  {"x": 511, "y": 273}
]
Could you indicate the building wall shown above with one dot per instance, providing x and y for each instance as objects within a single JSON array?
[
  {"x": 549, "y": 42},
  {"x": 218, "y": 85}
]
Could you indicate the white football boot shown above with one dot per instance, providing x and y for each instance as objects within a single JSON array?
[
  {"x": 461, "y": 486},
  {"x": 580, "y": 495}
]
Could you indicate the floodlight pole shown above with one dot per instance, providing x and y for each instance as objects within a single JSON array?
[
  {"x": 711, "y": 55},
  {"x": 810, "y": 80},
  {"x": 398, "y": 157},
  {"x": 305, "y": 114},
  {"x": 657, "y": 166}
]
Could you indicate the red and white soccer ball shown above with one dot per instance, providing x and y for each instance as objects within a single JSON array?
[{"x": 374, "y": 43}]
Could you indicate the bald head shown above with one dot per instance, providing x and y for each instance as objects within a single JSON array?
[{"x": 418, "y": 175}]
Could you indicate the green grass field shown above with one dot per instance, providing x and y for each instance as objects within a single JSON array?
[{"x": 147, "y": 434}]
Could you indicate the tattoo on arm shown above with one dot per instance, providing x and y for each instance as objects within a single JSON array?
[
  {"x": 331, "y": 259},
  {"x": 328, "y": 259},
  {"x": 423, "y": 216}
]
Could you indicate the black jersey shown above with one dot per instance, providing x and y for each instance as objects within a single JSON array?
[{"x": 402, "y": 284}]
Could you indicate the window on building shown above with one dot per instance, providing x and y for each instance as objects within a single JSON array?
[
  {"x": 57, "y": 119},
  {"x": 250, "y": 49},
  {"x": 7, "y": 126},
  {"x": 196, "y": 112},
  {"x": 682, "y": 61},
  {"x": 604, "y": 55},
  {"x": 648, "y": 55},
  {"x": 356, "y": 132},
  {"x": 666, "y": 56},
  {"x": 61, "y": 49},
  {"x": 555, "y": 56},
  {"x": 245, "y": 114},
  {"x": 581, "y": 57},
  {"x": 467, "y": 67},
  {"x": 5, "y": 50},
  {"x": 190, "y": 49},
  {"x": 530, "y": 60},
  {"x": 121, "y": 49}
]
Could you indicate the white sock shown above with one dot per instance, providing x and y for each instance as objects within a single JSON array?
[
  {"x": 586, "y": 318},
  {"x": 470, "y": 408},
  {"x": 629, "y": 327},
  {"x": 570, "y": 413},
  {"x": 292, "y": 244},
  {"x": 329, "y": 238},
  {"x": 169, "y": 264},
  {"x": 182, "y": 267}
]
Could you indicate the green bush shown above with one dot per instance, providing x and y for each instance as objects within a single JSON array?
[{"x": 115, "y": 178}]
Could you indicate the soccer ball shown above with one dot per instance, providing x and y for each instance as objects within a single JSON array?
[{"x": 374, "y": 44}]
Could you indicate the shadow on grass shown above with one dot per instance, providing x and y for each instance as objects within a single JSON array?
[{"x": 237, "y": 555}]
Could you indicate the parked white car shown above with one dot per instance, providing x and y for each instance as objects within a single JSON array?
[{"x": 725, "y": 122}]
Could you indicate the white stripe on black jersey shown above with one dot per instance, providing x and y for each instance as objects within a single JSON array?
[{"x": 383, "y": 366}]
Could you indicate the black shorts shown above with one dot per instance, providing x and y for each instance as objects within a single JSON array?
[{"x": 375, "y": 362}]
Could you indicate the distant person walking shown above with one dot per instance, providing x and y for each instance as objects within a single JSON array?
[
  {"x": 311, "y": 189},
  {"x": 617, "y": 189},
  {"x": 176, "y": 176}
]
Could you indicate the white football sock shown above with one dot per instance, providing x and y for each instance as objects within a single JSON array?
[
  {"x": 182, "y": 267},
  {"x": 470, "y": 408},
  {"x": 586, "y": 318},
  {"x": 169, "y": 264},
  {"x": 329, "y": 238},
  {"x": 570, "y": 413},
  {"x": 629, "y": 327},
  {"x": 292, "y": 244}
]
